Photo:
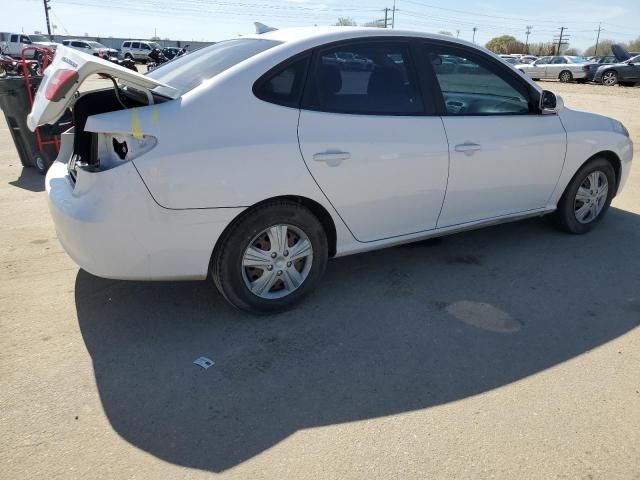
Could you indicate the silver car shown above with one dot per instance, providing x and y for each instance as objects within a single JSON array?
[{"x": 564, "y": 68}]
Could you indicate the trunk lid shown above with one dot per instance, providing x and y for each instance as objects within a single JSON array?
[{"x": 69, "y": 69}]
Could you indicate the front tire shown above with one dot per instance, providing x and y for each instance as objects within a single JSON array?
[
  {"x": 610, "y": 78},
  {"x": 587, "y": 197},
  {"x": 270, "y": 258}
]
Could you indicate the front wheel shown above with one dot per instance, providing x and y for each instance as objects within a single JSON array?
[
  {"x": 270, "y": 258},
  {"x": 565, "y": 76},
  {"x": 587, "y": 197},
  {"x": 610, "y": 78}
]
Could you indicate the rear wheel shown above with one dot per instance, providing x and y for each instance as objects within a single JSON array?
[
  {"x": 587, "y": 197},
  {"x": 610, "y": 78},
  {"x": 128, "y": 56},
  {"x": 565, "y": 76},
  {"x": 272, "y": 257}
]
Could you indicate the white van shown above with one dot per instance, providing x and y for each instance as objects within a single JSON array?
[{"x": 138, "y": 49}]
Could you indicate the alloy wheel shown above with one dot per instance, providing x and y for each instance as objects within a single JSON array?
[
  {"x": 591, "y": 197},
  {"x": 609, "y": 78},
  {"x": 565, "y": 77},
  {"x": 277, "y": 261}
]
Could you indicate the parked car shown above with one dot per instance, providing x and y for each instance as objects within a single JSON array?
[
  {"x": 171, "y": 52},
  {"x": 13, "y": 43},
  {"x": 527, "y": 59},
  {"x": 625, "y": 73},
  {"x": 592, "y": 66},
  {"x": 227, "y": 163},
  {"x": 563, "y": 68},
  {"x": 138, "y": 49},
  {"x": 90, "y": 47}
]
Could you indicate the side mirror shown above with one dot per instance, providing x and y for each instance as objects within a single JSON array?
[{"x": 550, "y": 102}]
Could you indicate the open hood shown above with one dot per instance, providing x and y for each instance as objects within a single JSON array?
[
  {"x": 67, "y": 72},
  {"x": 620, "y": 53}
]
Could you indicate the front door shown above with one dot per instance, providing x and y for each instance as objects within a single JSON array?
[
  {"x": 504, "y": 158},
  {"x": 368, "y": 140}
]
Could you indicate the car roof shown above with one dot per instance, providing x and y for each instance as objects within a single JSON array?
[{"x": 321, "y": 35}]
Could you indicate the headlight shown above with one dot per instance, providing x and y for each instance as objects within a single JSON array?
[{"x": 620, "y": 128}]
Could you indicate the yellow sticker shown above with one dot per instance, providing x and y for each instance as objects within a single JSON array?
[{"x": 136, "y": 129}]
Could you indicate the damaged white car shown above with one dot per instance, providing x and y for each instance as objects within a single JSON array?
[{"x": 256, "y": 159}]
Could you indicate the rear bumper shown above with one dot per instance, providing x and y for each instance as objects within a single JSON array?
[{"x": 111, "y": 227}]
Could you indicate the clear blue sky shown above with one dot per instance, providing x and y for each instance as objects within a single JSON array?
[{"x": 217, "y": 20}]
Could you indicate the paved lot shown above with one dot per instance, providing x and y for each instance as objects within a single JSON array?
[{"x": 511, "y": 352}]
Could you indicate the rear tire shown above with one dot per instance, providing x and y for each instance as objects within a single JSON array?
[
  {"x": 256, "y": 247},
  {"x": 585, "y": 202},
  {"x": 565, "y": 76}
]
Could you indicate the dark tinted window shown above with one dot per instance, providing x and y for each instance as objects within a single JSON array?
[
  {"x": 187, "y": 72},
  {"x": 473, "y": 85},
  {"x": 126, "y": 44},
  {"x": 144, "y": 46},
  {"x": 135, "y": 45},
  {"x": 14, "y": 38},
  {"x": 78, "y": 44},
  {"x": 365, "y": 78},
  {"x": 284, "y": 86}
]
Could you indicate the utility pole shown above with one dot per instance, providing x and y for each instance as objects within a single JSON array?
[
  {"x": 457, "y": 33},
  {"x": 595, "y": 54},
  {"x": 475, "y": 29},
  {"x": 562, "y": 40},
  {"x": 393, "y": 15},
  {"x": 46, "y": 14},
  {"x": 386, "y": 17},
  {"x": 526, "y": 43}
]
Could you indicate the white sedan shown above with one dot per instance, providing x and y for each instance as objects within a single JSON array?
[
  {"x": 564, "y": 68},
  {"x": 256, "y": 159}
]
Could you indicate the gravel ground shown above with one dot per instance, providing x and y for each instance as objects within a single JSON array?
[{"x": 510, "y": 352}]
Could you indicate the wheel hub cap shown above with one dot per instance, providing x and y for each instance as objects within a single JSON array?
[
  {"x": 277, "y": 261},
  {"x": 591, "y": 197}
]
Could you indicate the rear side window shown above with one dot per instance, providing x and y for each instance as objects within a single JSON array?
[
  {"x": 135, "y": 45},
  {"x": 474, "y": 85},
  {"x": 284, "y": 85},
  {"x": 187, "y": 72},
  {"x": 366, "y": 78}
]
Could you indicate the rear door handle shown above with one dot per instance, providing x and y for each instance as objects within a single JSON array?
[
  {"x": 467, "y": 148},
  {"x": 332, "y": 158}
]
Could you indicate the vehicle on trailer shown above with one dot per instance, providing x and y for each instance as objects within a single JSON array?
[
  {"x": 625, "y": 73},
  {"x": 564, "y": 68},
  {"x": 13, "y": 43},
  {"x": 138, "y": 49},
  {"x": 255, "y": 160},
  {"x": 90, "y": 47}
]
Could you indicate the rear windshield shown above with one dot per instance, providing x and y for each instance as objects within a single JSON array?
[{"x": 187, "y": 72}]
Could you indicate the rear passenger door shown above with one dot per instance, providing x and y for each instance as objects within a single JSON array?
[{"x": 371, "y": 141}]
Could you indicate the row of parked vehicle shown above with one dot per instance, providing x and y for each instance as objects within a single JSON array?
[
  {"x": 12, "y": 44},
  {"x": 621, "y": 67}
]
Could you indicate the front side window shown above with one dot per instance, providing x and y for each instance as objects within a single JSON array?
[
  {"x": 144, "y": 46},
  {"x": 364, "y": 78},
  {"x": 558, "y": 60},
  {"x": 542, "y": 61},
  {"x": 126, "y": 45},
  {"x": 473, "y": 85}
]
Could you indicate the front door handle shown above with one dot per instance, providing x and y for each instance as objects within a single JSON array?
[
  {"x": 332, "y": 158},
  {"x": 467, "y": 148}
]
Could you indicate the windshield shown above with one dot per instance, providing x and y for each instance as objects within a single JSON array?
[
  {"x": 96, "y": 45},
  {"x": 39, "y": 38},
  {"x": 187, "y": 72},
  {"x": 635, "y": 59}
]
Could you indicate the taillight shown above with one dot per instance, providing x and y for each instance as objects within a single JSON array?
[{"x": 60, "y": 84}]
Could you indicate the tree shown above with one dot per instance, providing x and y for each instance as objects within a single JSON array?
[
  {"x": 375, "y": 24},
  {"x": 572, "y": 51},
  {"x": 444, "y": 32},
  {"x": 346, "y": 22},
  {"x": 634, "y": 45},
  {"x": 505, "y": 44},
  {"x": 604, "y": 48},
  {"x": 542, "y": 48}
]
